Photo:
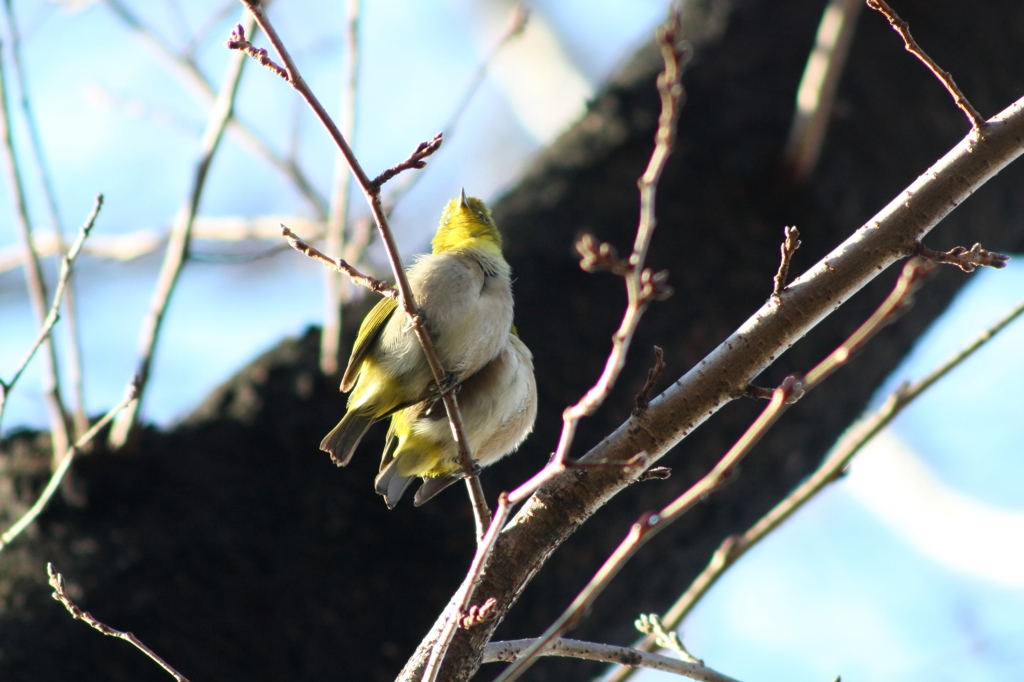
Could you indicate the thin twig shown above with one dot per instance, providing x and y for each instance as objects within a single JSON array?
[
  {"x": 607, "y": 653},
  {"x": 855, "y": 438},
  {"x": 415, "y": 160},
  {"x": 34, "y": 279},
  {"x": 337, "y": 218},
  {"x": 966, "y": 260},
  {"x": 643, "y": 399},
  {"x": 53, "y": 315},
  {"x": 786, "y": 394},
  {"x": 816, "y": 95},
  {"x": 789, "y": 247},
  {"x": 516, "y": 25},
  {"x": 74, "y": 346},
  {"x": 62, "y": 468},
  {"x": 338, "y": 265},
  {"x": 60, "y": 594},
  {"x": 977, "y": 121},
  {"x": 178, "y": 245},
  {"x": 407, "y": 301},
  {"x": 649, "y": 525},
  {"x": 185, "y": 69},
  {"x": 642, "y": 284}
]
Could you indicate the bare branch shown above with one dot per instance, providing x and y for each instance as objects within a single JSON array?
[
  {"x": 786, "y": 394},
  {"x": 74, "y": 344},
  {"x": 33, "y": 278},
  {"x": 966, "y": 260},
  {"x": 62, "y": 468},
  {"x": 60, "y": 594},
  {"x": 178, "y": 245},
  {"x": 337, "y": 218},
  {"x": 976, "y": 119},
  {"x": 54, "y": 314},
  {"x": 415, "y": 160},
  {"x": 590, "y": 651},
  {"x": 406, "y": 299},
  {"x": 339, "y": 265},
  {"x": 789, "y": 247},
  {"x": 855, "y": 438}
]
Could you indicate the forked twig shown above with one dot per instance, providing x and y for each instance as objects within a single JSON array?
[
  {"x": 60, "y": 593},
  {"x": 642, "y": 284},
  {"x": 852, "y": 441},
  {"x": 407, "y": 301},
  {"x": 786, "y": 394},
  {"x": 976, "y": 119}
]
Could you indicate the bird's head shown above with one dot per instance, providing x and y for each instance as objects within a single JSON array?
[{"x": 467, "y": 224}]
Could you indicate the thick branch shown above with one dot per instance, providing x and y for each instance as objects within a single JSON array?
[{"x": 564, "y": 503}]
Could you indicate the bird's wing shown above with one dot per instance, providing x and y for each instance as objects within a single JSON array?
[{"x": 369, "y": 330}]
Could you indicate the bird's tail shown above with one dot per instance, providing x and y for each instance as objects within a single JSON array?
[
  {"x": 343, "y": 439},
  {"x": 389, "y": 484}
]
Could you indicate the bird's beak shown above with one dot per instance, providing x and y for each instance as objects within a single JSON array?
[{"x": 463, "y": 200}]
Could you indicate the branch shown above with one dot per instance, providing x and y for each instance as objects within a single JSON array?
[
  {"x": 74, "y": 344},
  {"x": 831, "y": 469},
  {"x": 60, "y": 594},
  {"x": 63, "y": 466},
  {"x": 590, "y": 651},
  {"x": 54, "y": 314},
  {"x": 33, "y": 278},
  {"x": 966, "y": 260},
  {"x": 178, "y": 246},
  {"x": 339, "y": 265},
  {"x": 337, "y": 218},
  {"x": 789, "y": 247},
  {"x": 406, "y": 299},
  {"x": 563, "y": 503},
  {"x": 976, "y": 119},
  {"x": 642, "y": 284}
]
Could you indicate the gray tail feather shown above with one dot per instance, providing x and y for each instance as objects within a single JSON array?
[
  {"x": 341, "y": 442},
  {"x": 389, "y": 484},
  {"x": 432, "y": 486}
]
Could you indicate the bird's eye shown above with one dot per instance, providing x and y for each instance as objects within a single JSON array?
[{"x": 481, "y": 214}]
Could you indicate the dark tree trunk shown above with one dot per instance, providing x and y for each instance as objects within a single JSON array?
[{"x": 237, "y": 551}]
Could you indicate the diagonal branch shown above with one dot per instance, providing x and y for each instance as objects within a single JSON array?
[
  {"x": 178, "y": 246},
  {"x": 565, "y": 502},
  {"x": 289, "y": 71}
]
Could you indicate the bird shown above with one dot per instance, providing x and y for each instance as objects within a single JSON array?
[
  {"x": 498, "y": 406},
  {"x": 464, "y": 293}
]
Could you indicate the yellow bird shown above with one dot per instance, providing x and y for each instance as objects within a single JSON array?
[
  {"x": 464, "y": 293},
  {"x": 498, "y": 406}
]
